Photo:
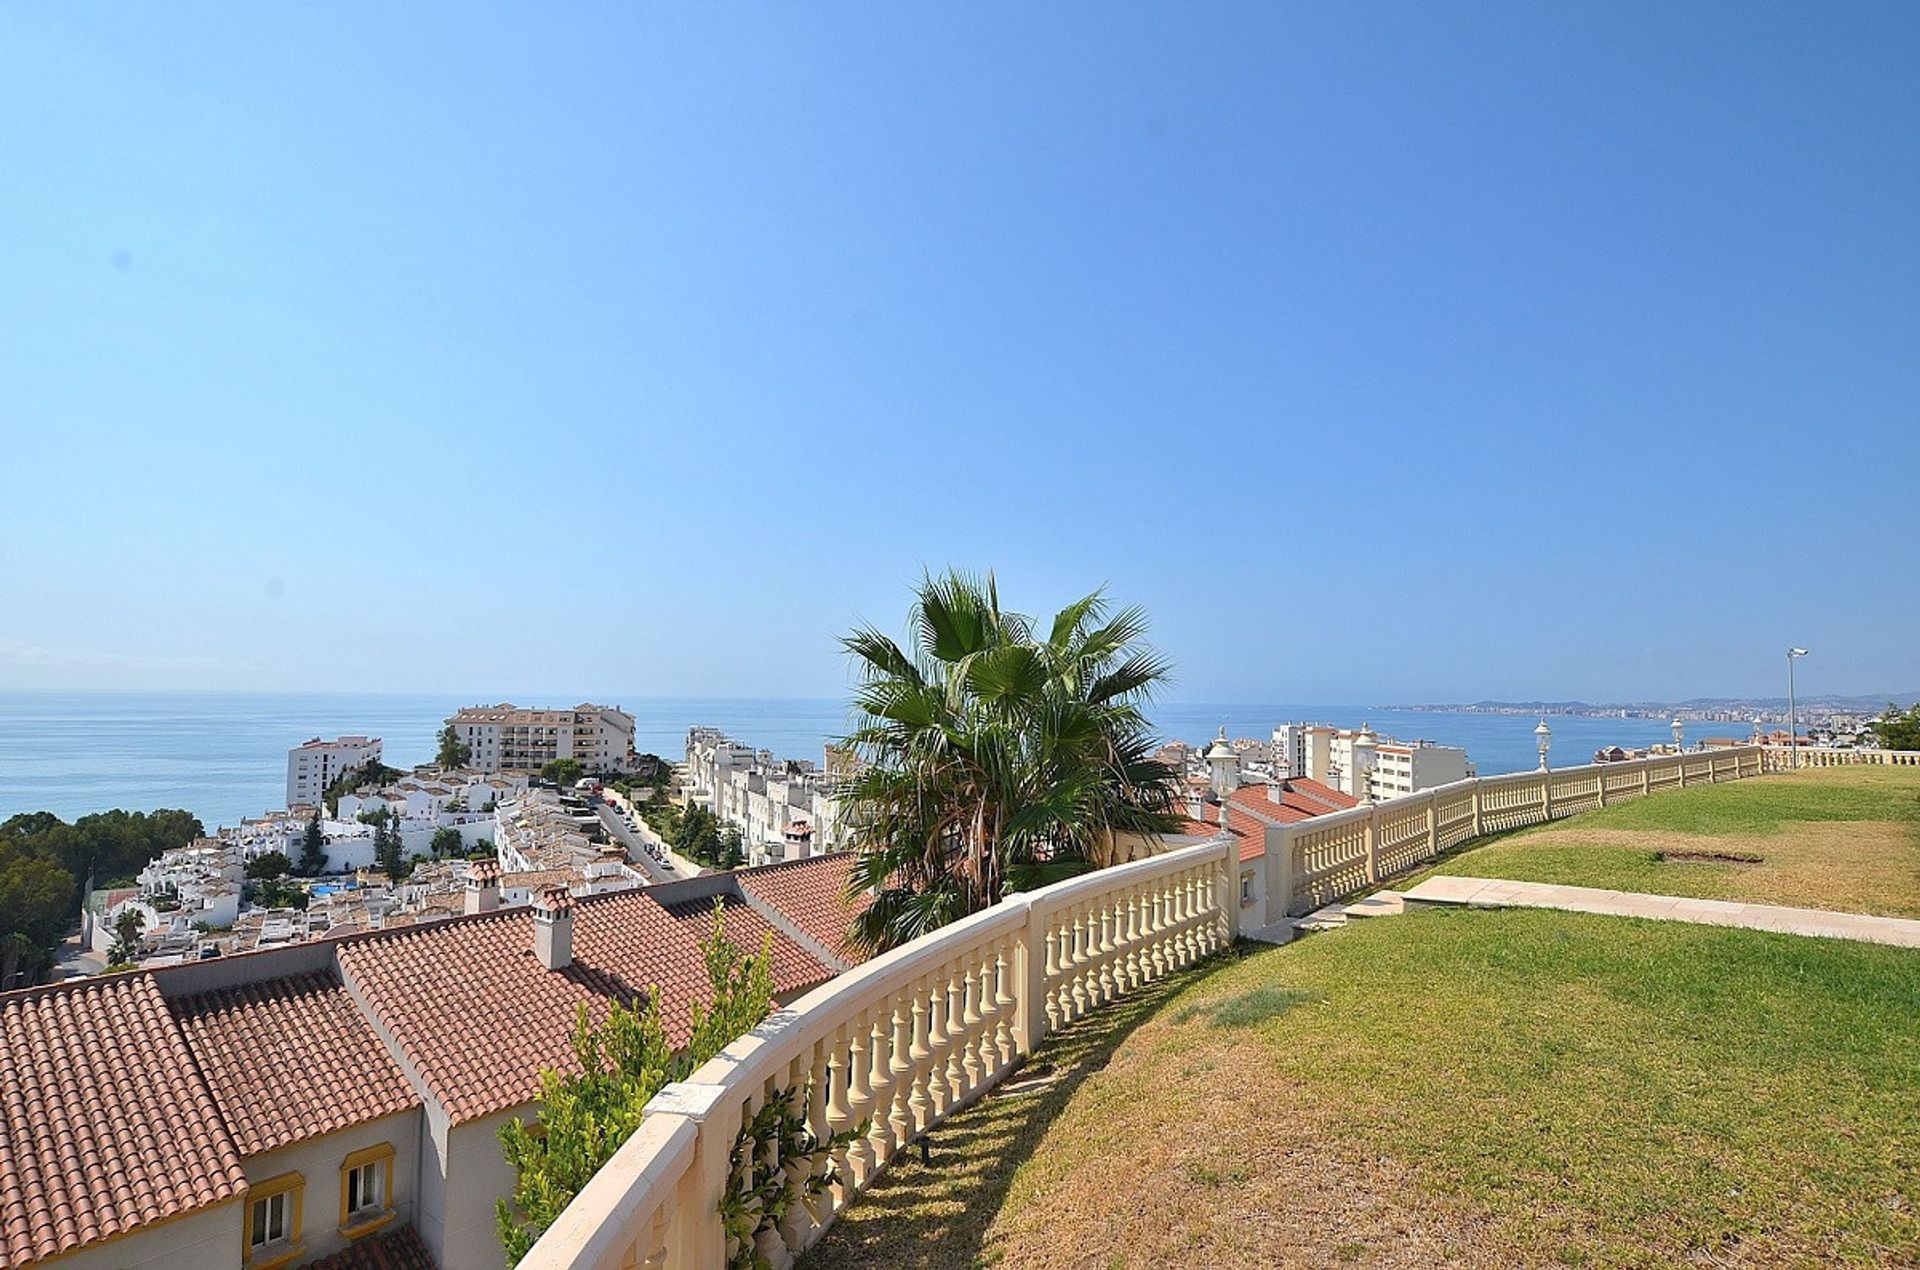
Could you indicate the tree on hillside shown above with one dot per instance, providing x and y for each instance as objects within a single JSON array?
[
  {"x": 386, "y": 848},
  {"x": 269, "y": 864},
  {"x": 562, "y": 771},
  {"x": 453, "y": 751},
  {"x": 583, "y": 1118},
  {"x": 988, "y": 744},
  {"x": 313, "y": 849},
  {"x": 35, "y": 898},
  {"x": 446, "y": 842},
  {"x": 1898, "y": 729}
]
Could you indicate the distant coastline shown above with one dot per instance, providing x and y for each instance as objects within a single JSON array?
[{"x": 1709, "y": 709}]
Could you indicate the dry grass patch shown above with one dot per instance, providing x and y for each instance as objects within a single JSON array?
[{"x": 1506, "y": 1088}]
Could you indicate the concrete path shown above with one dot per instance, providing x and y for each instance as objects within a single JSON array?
[{"x": 1493, "y": 893}]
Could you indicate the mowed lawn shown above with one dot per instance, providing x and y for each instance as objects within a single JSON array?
[
  {"x": 1836, "y": 838},
  {"x": 1451, "y": 1088}
]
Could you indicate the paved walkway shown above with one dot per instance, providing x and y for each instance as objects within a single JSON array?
[{"x": 1493, "y": 893}]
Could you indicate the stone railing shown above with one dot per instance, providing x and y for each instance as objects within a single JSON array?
[
  {"x": 1331, "y": 857},
  {"x": 897, "y": 1045},
  {"x": 1782, "y": 758}
]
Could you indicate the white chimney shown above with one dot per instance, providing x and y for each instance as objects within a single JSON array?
[
  {"x": 483, "y": 887},
  {"x": 1274, "y": 789},
  {"x": 553, "y": 927}
]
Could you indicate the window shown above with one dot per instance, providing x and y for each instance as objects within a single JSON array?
[
  {"x": 273, "y": 1221},
  {"x": 366, "y": 1191}
]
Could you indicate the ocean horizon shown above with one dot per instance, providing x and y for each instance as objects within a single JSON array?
[{"x": 222, "y": 756}]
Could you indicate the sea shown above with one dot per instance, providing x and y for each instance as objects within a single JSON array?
[{"x": 223, "y": 756}]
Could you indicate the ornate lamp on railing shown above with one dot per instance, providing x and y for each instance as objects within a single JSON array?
[
  {"x": 1679, "y": 735},
  {"x": 1543, "y": 736},
  {"x": 1366, "y": 751}
]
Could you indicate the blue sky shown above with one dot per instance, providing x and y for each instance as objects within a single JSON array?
[{"x": 1382, "y": 351}]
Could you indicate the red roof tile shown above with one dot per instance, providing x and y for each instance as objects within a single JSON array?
[
  {"x": 400, "y": 1249},
  {"x": 105, "y": 1123},
  {"x": 479, "y": 1038},
  {"x": 290, "y": 1058},
  {"x": 812, "y": 894},
  {"x": 794, "y": 968}
]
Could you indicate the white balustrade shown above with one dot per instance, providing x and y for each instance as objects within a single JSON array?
[
  {"x": 897, "y": 1044},
  {"x": 1783, "y": 758},
  {"x": 1319, "y": 861}
]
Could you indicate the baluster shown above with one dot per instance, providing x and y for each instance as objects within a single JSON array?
[
  {"x": 955, "y": 1068},
  {"x": 1078, "y": 975},
  {"x": 971, "y": 1068},
  {"x": 1156, "y": 930},
  {"x": 939, "y": 1093},
  {"x": 1136, "y": 933},
  {"x": 919, "y": 1103},
  {"x": 806, "y": 1080},
  {"x": 654, "y": 1255},
  {"x": 1003, "y": 1005},
  {"x": 850, "y": 1103},
  {"x": 1049, "y": 981},
  {"x": 902, "y": 1069},
  {"x": 877, "y": 1080},
  {"x": 1108, "y": 989}
]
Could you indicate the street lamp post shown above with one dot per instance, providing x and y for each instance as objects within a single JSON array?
[
  {"x": 1793, "y": 713},
  {"x": 1679, "y": 735},
  {"x": 1543, "y": 736},
  {"x": 1365, "y": 751}
]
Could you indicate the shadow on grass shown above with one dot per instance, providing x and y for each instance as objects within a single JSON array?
[
  {"x": 1255, "y": 1005},
  {"x": 935, "y": 1215}
]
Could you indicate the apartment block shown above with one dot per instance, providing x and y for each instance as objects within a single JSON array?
[
  {"x": 1335, "y": 757},
  {"x": 314, "y": 765},
  {"x": 785, "y": 809},
  {"x": 510, "y": 738}
]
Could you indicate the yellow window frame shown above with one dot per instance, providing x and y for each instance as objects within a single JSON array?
[
  {"x": 292, "y": 1185},
  {"x": 383, "y": 1155}
]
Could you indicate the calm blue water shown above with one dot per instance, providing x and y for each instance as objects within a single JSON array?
[{"x": 224, "y": 756}]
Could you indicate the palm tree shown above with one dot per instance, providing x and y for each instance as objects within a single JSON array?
[{"x": 989, "y": 747}]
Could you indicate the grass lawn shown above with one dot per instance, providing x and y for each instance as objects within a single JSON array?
[
  {"x": 1455, "y": 1088},
  {"x": 1835, "y": 838}
]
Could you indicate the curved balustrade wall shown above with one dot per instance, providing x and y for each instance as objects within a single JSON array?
[
  {"x": 896, "y": 1045},
  {"x": 1331, "y": 857},
  {"x": 1782, "y": 758}
]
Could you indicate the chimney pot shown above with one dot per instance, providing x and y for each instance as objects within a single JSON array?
[
  {"x": 1274, "y": 790},
  {"x": 483, "y": 887},
  {"x": 553, "y": 927}
]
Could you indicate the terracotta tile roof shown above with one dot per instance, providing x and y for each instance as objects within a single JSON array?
[
  {"x": 794, "y": 968},
  {"x": 400, "y": 1249},
  {"x": 481, "y": 1037},
  {"x": 290, "y": 1058},
  {"x": 1300, "y": 799},
  {"x": 1250, "y": 833},
  {"x": 105, "y": 1123},
  {"x": 812, "y": 894}
]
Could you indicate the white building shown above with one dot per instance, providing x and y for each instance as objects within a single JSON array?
[
  {"x": 316, "y": 764},
  {"x": 509, "y": 738},
  {"x": 1337, "y": 757},
  {"x": 785, "y": 809}
]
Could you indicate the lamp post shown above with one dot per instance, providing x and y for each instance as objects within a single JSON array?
[
  {"x": 1365, "y": 750},
  {"x": 1543, "y": 737},
  {"x": 1793, "y": 714},
  {"x": 1679, "y": 735}
]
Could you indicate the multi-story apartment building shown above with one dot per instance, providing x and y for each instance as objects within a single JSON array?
[
  {"x": 784, "y": 808},
  {"x": 316, "y": 764},
  {"x": 1321, "y": 752},
  {"x": 510, "y": 738},
  {"x": 345, "y": 1095}
]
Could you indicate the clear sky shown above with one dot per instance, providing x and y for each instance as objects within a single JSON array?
[{"x": 1384, "y": 352}]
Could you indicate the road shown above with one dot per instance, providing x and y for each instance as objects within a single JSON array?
[{"x": 635, "y": 841}]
